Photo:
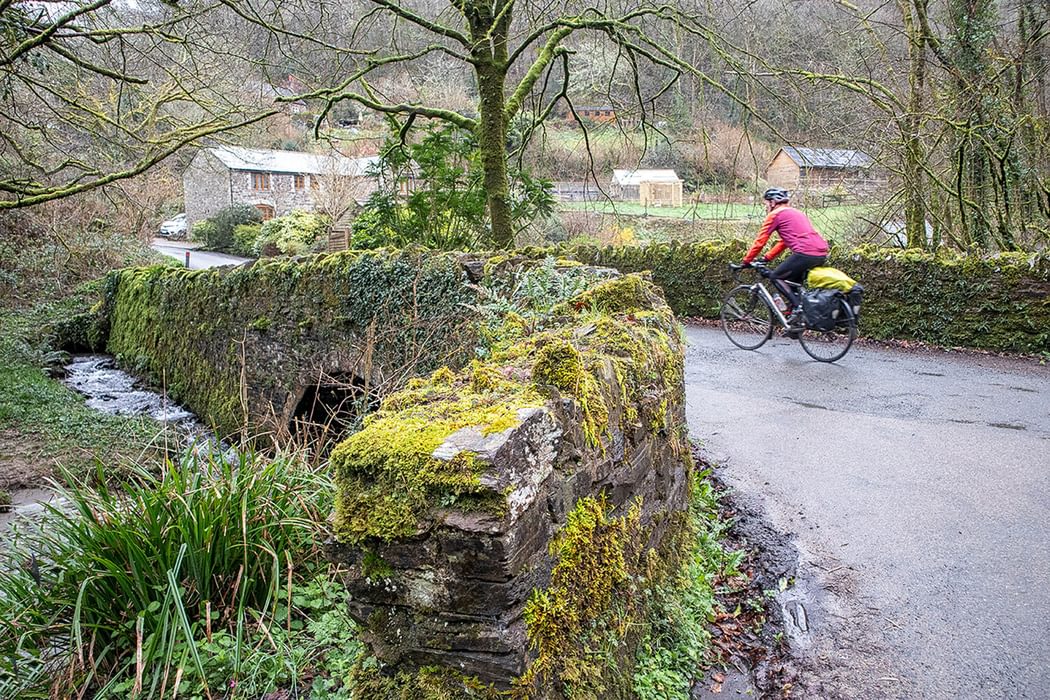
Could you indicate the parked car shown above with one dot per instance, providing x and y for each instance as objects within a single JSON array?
[{"x": 175, "y": 227}]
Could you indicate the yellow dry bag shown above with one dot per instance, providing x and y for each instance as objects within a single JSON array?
[{"x": 830, "y": 278}]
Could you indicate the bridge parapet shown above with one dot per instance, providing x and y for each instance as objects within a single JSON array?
[
  {"x": 504, "y": 512},
  {"x": 503, "y": 519}
]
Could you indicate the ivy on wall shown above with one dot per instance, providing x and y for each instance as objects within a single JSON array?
[
  {"x": 237, "y": 345},
  {"x": 995, "y": 303}
]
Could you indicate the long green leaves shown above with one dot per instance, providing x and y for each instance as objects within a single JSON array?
[{"x": 122, "y": 574}]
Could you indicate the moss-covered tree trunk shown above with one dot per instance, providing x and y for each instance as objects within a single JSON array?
[
  {"x": 492, "y": 141},
  {"x": 489, "y": 24},
  {"x": 914, "y": 164}
]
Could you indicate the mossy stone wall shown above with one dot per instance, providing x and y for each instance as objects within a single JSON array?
[
  {"x": 239, "y": 345},
  {"x": 997, "y": 303},
  {"x": 506, "y": 519}
]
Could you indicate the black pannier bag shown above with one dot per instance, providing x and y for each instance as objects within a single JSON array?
[
  {"x": 855, "y": 297},
  {"x": 822, "y": 308}
]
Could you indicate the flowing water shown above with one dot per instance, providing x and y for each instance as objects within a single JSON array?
[
  {"x": 113, "y": 391},
  {"x": 110, "y": 390}
]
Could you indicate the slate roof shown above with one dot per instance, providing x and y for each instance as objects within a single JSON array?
[
  {"x": 260, "y": 160},
  {"x": 832, "y": 158},
  {"x": 636, "y": 177}
]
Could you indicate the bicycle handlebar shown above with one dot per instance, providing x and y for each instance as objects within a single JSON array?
[{"x": 757, "y": 265}]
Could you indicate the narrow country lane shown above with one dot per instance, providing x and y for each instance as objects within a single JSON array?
[
  {"x": 917, "y": 486},
  {"x": 199, "y": 259}
]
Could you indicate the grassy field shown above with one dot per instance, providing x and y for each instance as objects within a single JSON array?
[
  {"x": 711, "y": 211},
  {"x": 841, "y": 223}
]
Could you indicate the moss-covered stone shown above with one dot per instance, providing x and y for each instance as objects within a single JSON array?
[
  {"x": 428, "y": 683},
  {"x": 387, "y": 474},
  {"x": 239, "y": 345},
  {"x": 599, "y": 458}
]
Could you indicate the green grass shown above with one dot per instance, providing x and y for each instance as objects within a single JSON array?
[
  {"x": 675, "y": 649},
  {"x": 208, "y": 572},
  {"x": 712, "y": 211},
  {"x": 840, "y": 223},
  {"x": 43, "y": 423}
]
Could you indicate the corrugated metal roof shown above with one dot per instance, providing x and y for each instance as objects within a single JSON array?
[
  {"x": 637, "y": 177},
  {"x": 238, "y": 158},
  {"x": 828, "y": 158}
]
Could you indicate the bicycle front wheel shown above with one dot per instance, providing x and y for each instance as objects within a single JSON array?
[
  {"x": 829, "y": 346},
  {"x": 746, "y": 318}
]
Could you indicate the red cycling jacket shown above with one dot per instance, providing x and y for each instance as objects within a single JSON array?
[{"x": 796, "y": 234}]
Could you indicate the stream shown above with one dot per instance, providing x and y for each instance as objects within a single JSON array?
[{"x": 110, "y": 390}]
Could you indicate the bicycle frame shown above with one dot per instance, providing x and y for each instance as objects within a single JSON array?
[
  {"x": 798, "y": 289},
  {"x": 772, "y": 304}
]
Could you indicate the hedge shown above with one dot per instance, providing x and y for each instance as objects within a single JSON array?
[{"x": 994, "y": 303}]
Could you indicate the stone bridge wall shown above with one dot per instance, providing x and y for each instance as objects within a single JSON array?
[
  {"x": 501, "y": 517},
  {"x": 241, "y": 346},
  {"x": 500, "y": 520}
]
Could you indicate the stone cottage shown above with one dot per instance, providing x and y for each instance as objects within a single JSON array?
[{"x": 275, "y": 182}]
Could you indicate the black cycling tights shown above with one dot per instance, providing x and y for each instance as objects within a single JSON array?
[{"x": 794, "y": 269}]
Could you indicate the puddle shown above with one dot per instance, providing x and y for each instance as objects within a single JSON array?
[{"x": 26, "y": 503}]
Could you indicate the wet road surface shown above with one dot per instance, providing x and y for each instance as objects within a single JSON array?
[
  {"x": 917, "y": 486},
  {"x": 199, "y": 259}
]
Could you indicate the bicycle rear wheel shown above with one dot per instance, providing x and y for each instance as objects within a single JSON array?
[
  {"x": 829, "y": 346},
  {"x": 746, "y": 318}
]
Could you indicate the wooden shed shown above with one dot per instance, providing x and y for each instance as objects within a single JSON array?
[
  {"x": 650, "y": 188},
  {"x": 796, "y": 168},
  {"x": 603, "y": 114}
]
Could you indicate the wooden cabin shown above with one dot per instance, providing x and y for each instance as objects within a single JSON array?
[{"x": 810, "y": 169}]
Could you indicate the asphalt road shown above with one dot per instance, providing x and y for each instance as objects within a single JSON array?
[
  {"x": 917, "y": 486},
  {"x": 199, "y": 259}
]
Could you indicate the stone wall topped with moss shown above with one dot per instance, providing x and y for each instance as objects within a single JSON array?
[
  {"x": 248, "y": 348},
  {"x": 995, "y": 303},
  {"x": 506, "y": 518},
  {"x": 521, "y": 477}
]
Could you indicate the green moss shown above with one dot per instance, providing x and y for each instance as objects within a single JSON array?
[
  {"x": 196, "y": 329},
  {"x": 996, "y": 302},
  {"x": 375, "y": 567},
  {"x": 262, "y": 323},
  {"x": 560, "y": 365},
  {"x": 428, "y": 683},
  {"x": 618, "y": 295},
  {"x": 580, "y": 626},
  {"x": 387, "y": 476}
]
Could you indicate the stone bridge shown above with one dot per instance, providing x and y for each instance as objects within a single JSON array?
[{"x": 524, "y": 461}]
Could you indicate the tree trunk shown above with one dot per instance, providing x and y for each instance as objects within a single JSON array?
[
  {"x": 914, "y": 148},
  {"x": 492, "y": 140},
  {"x": 489, "y": 24}
]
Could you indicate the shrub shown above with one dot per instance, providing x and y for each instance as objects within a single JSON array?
[
  {"x": 245, "y": 238},
  {"x": 205, "y": 232},
  {"x": 217, "y": 232},
  {"x": 293, "y": 234},
  {"x": 137, "y": 570}
]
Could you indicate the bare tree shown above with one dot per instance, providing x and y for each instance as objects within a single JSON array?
[
  {"x": 94, "y": 92},
  {"x": 518, "y": 54}
]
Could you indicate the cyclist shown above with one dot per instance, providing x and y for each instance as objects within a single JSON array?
[{"x": 808, "y": 249}]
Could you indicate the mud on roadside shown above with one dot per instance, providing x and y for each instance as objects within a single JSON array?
[{"x": 795, "y": 628}]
